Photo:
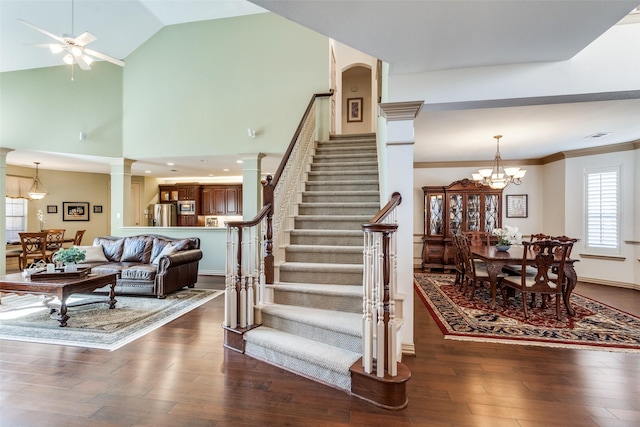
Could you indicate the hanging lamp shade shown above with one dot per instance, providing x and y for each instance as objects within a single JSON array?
[{"x": 37, "y": 190}]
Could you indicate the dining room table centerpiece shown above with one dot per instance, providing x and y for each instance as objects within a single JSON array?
[{"x": 507, "y": 236}]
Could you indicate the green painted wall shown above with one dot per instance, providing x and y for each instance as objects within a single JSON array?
[
  {"x": 194, "y": 89},
  {"x": 43, "y": 110}
]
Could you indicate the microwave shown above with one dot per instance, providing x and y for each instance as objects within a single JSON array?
[{"x": 187, "y": 207}]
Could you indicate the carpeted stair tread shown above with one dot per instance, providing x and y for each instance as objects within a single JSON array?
[
  {"x": 325, "y": 248},
  {"x": 320, "y": 267},
  {"x": 324, "y": 356},
  {"x": 324, "y": 289},
  {"x": 337, "y": 321}
]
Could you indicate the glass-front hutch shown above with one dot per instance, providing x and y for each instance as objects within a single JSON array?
[{"x": 457, "y": 208}]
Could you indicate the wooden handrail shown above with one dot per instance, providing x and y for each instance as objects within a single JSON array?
[
  {"x": 395, "y": 200},
  {"x": 285, "y": 158},
  {"x": 255, "y": 221}
]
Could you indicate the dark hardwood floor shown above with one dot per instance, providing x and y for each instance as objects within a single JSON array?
[{"x": 180, "y": 375}]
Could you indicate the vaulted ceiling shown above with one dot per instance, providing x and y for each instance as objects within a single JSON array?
[{"x": 412, "y": 36}]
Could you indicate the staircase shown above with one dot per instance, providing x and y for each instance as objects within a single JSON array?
[{"x": 314, "y": 326}]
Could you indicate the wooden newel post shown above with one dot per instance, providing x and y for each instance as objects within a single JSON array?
[{"x": 267, "y": 196}]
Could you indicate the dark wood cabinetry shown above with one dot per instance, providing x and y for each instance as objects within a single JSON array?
[
  {"x": 221, "y": 200},
  {"x": 457, "y": 208},
  {"x": 187, "y": 220}
]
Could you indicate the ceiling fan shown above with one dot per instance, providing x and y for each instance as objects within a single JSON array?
[{"x": 76, "y": 49}]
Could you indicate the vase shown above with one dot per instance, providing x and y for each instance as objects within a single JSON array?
[
  {"x": 71, "y": 267},
  {"x": 503, "y": 248}
]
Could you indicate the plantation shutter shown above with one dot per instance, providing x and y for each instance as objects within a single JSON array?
[{"x": 602, "y": 209}]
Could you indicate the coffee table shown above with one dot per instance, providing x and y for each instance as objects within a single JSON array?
[{"x": 61, "y": 288}]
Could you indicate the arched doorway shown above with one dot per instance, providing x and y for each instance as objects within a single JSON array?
[{"x": 356, "y": 100}]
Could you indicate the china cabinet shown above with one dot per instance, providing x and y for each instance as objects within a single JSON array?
[{"x": 460, "y": 207}]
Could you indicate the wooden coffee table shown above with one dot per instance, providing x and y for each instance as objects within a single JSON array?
[{"x": 61, "y": 288}]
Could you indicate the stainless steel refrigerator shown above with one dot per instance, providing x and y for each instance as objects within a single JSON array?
[{"x": 163, "y": 215}]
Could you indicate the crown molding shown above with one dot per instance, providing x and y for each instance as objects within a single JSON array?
[{"x": 603, "y": 149}]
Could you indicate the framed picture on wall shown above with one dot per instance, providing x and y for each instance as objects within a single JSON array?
[
  {"x": 52, "y": 209},
  {"x": 354, "y": 110},
  {"x": 517, "y": 206},
  {"x": 75, "y": 211},
  {"x": 97, "y": 208}
]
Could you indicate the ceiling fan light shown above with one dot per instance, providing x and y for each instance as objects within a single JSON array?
[
  {"x": 68, "y": 59},
  {"x": 76, "y": 51},
  {"x": 56, "y": 48}
]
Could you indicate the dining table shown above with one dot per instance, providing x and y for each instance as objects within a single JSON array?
[{"x": 496, "y": 260}]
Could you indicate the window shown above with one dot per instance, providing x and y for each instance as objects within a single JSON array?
[
  {"x": 16, "y": 218},
  {"x": 602, "y": 212}
]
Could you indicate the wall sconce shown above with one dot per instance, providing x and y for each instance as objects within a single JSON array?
[
  {"x": 251, "y": 133},
  {"x": 37, "y": 190}
]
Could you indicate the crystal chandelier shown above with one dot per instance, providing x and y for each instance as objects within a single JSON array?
[
  {"x": 37, "y": 190},
  {"x": 498, "y": 177}
]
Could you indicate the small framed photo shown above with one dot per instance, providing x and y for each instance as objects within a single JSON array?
[
  {"x": 354, "y": 110},
  {"x": 97, "y": 208},
  {"x": 75, "y": 211},
  {"x": 517, "y": 206},
  {"x": 51, "y": 209}
]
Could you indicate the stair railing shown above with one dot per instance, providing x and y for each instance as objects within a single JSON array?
[
  {"x": 379, "y": 335},
  {"x": 250, "y": 259}
]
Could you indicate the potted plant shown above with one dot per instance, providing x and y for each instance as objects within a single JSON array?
[{"x": 69, "y": 257}]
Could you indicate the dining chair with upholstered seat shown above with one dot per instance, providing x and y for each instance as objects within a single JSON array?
[
  {"x": 459, "y": 260},
  {"x": 548, "y": 254},
  {"x": 77, "y": 240},
  {"x": 478, "y": 238},
  {"x": 55, "y": 238},
  {"x": 34, "y": 247},
  {"x": 475, "y": 271}
]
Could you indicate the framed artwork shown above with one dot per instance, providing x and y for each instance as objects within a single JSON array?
[
  {"x": 52, "y": 209},
  {"x": 517, "y": 206},
  {"x": 354, "y": 110},
  {"x": 97, "y": 208},
  {"x": 75, "y": 211}
]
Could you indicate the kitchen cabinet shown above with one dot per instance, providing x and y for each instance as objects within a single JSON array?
[
  {"x": 459, "y": 207},
  {"x": 221, "y": 200},
  {"x": 168, "y": 193},
  {"x": 187, "y": 220}
]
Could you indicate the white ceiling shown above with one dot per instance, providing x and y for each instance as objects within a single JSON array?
[{"x": 411, "y": 35}]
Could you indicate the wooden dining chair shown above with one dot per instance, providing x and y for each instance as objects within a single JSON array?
[
  {"x": 459, "y": 260},
  {"x": 77, "y": 240},
  {"x": 34, "y": 247},
  {"x": 475, "y": 271},
  {"x": 478, "y": 238},
  {"x": 55, "y": 238},
  {"x": 548, "y": 254}
]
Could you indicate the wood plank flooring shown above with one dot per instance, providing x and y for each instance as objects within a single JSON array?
[{"x": 180, "y": 375}]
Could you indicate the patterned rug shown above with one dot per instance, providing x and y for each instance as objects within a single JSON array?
[
  {"x": 595, "y": 326},
  {"x": 24, "y": 318}
]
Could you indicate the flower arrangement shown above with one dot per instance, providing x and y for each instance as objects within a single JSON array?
[
  {"x": 41, "y": 218},
  {"x": 71, "y": 255},
  {"x": 508, "y": 236}
]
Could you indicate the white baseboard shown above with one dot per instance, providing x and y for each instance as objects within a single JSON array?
[{"x": 613, "y": 283}]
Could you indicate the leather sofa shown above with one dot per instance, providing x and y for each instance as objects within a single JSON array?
[{"x": 146, "y": 264}]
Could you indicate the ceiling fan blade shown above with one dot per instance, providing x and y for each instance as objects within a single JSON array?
[
  {"x": 84, "y": 39},
  {"x": 81, "y": 62},
  {"x": 103, "y": 56},
  {"x": 53, "y": 36}
]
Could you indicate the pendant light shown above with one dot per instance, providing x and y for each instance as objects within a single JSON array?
[
  {"x": 498, "y": 177},
  {"x": 37, "y": 190}
]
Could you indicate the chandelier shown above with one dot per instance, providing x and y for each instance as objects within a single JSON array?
[
  {"x": 37, "y": 190},
  {"x": 498, "y": 177}
]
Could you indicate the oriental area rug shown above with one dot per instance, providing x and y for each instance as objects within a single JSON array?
[
  {"x": 25, "y": 318},
  {"x": 595, "y": 326}
]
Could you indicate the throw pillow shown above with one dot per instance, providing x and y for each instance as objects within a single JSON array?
[
  {"x": 167, "y": 250},
  {"x": 93, "y": 253}
]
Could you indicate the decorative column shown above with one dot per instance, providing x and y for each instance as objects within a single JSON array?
[
  {"x": 400, "y": 118},
  {"x": 3, "y": 211},
  {"x": 251, "y": 187},
  {"x": 120, "y": 211}
]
